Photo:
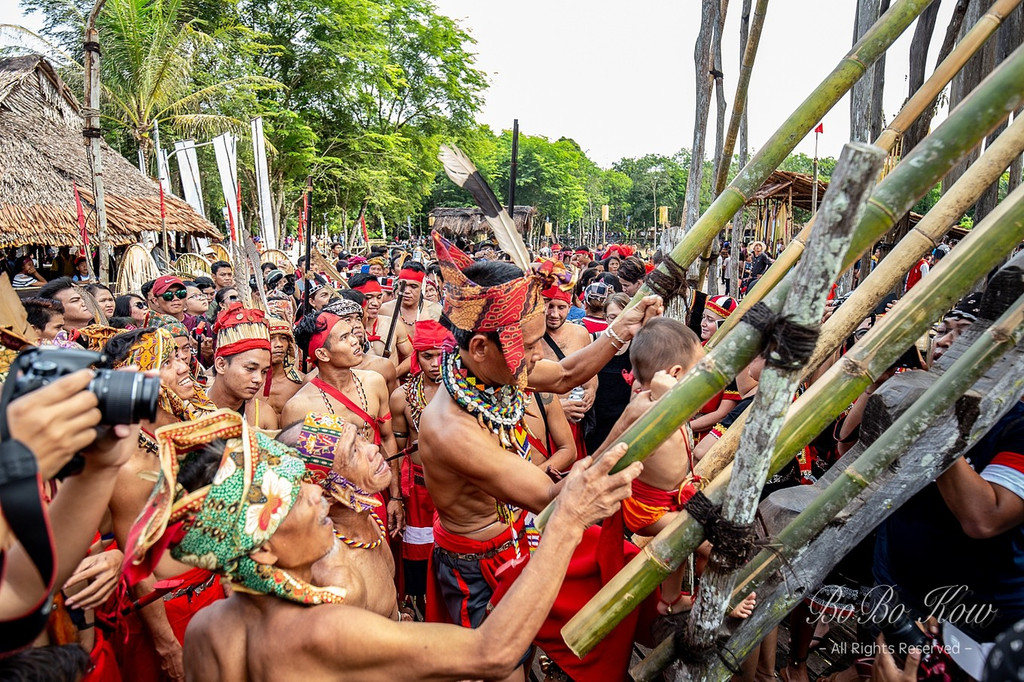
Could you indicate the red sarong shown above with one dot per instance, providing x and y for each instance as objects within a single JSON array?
[
  {"x": 482, "y": 590},
  {"x": 134, "y": 647},
  {"x": 648, "y": 504},
  {"x": 418, "y": 536},
  {"x": 578, "y": 439},
  {"x": 103, "y": 661}
]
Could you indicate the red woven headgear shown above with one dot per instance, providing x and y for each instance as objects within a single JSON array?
[
  {"x": 429, "y": 335},
  {"x": 557, "y": 294},
  {"x": 721, "y": 305},
  {"x": 240, "y": 329},
  {"x": 502, "y": 308},
  {"x": 320, "y": 338}
]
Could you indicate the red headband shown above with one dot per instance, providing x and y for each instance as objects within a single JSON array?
[
  {"x": 429, "y": 335},
  {"x": 557, "y": 294},
  {"x": 320, "y": 338},
  {"x": 371, "y": 287},
  {"x": 411, "y": 275}
]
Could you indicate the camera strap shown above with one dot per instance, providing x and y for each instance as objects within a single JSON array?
[{"x": 25, "y": 512}]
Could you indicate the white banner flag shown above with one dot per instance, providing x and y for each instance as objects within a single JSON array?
[
  {"x": 259, "y": 152},
  {"x": 188, "y": 168},
  {"x": 227, "y": 166}
]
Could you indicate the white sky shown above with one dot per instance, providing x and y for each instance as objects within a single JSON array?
[{"x": 618, "y": 76}]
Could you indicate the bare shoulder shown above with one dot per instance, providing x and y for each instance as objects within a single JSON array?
[
  {"x": 441, "y": 418},
  {"x": 578, "y": 335},
  {"x": 372, "y": 379}
]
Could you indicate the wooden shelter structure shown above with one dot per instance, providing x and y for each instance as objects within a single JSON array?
[
  {"x": 42, "y": 154},
  {"x": 469, "y": 223},
  {"x": 771, "y": 207}
]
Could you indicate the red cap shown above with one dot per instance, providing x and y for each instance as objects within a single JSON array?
[{"x": 162, "y": 284}]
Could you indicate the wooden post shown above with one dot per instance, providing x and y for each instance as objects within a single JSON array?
[
  {"x": 858, "y": 167},
  {"x": 94, "y": 135}
]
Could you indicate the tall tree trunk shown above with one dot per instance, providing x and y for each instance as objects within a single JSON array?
[{"x": 861, "y": 114}]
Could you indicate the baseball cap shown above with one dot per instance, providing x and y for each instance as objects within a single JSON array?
[{"x": 165, "y": 282}]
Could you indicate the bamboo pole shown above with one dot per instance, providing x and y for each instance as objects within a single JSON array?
[
  {"x": 978, "y": 253},
  {"x": 891, "y": 269},
  {"x": 859, "y": 165},
  {"x": 93, "y": 135},
  {"x": 872, "y": 45},
  {"x": 910, "y": 112},
  {"x": 1006, "y": 333}
]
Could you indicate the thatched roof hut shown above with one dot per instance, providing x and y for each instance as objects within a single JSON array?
[
  {"x": 42, "y": 151},
  {"x": 469, "y": 222}
]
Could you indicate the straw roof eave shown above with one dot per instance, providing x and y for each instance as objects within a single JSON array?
[{"x": 470, "y": 220}]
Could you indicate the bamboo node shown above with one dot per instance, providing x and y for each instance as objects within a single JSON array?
[
  {"x": 669, "y": 284},
  {"x": 733, "y": 543},
  {"x": 787, "y": 344}
]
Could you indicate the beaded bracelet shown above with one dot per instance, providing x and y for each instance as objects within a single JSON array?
[{"x": 611, "y": 333}]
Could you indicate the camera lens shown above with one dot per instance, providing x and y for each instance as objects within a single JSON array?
[{"x": 125, "y": 397}]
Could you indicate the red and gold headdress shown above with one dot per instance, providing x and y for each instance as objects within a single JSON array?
[
  {"x": 429, "y": 335},
  {"x": 721, "y": 305},
  {"x": 502, "y": 308},
  {"x": 240, "y": 329}
]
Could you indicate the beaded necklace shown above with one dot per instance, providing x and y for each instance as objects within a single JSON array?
[
  {"x": 415, "y": 398},
  {"x": 498, "y": 409},
  {"x": 381, "y": 530},
  {"x": 363, "y": 402}
]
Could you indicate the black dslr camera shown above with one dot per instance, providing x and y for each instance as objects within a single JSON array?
[{"x": 124, "y": 397}]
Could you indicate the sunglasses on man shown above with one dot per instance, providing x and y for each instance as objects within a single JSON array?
[{"x": 170, "y": 295}]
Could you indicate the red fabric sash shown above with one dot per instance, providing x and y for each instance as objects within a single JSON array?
[{"x": 351, "y": 406}]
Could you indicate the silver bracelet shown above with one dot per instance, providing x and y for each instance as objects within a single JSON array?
[{"x": 610, "y": 332}]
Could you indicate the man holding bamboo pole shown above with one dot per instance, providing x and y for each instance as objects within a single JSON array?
[{"x": 473, "y": 439}]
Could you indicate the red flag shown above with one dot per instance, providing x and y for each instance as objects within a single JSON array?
[
  {"x": 820, "y": 128},
  {"x": 366, "y": 234},
  {"x": 81, "y": 219}
]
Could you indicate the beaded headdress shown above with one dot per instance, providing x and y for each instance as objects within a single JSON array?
[
  {"x": 218, "y": 526},
  {"x": 502, "y": 308}
]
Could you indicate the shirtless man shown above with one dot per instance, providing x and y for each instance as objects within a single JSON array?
[
  {"x": 284, "y": 379},
  {"x": 473, "y": 441},
  {"x": 352, "y": 312},
  {"x": 414, "y": 307},
  {"x": 377, "y": 325},
  {"x": 407, "y": 403},
  {"x": 560, "y": 340},
  {"x": 280, "y": 627},
  {"x": 357, "y": 396},
  {"x": 241, "y": 363},
  {"x": 351, "y": 471}
]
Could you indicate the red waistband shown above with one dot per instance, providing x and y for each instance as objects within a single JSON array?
[
  {"x": 453, "y": 542},
  {"x": 655, "y": 497}
]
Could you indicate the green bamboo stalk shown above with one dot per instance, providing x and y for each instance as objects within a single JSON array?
[
  {"x": 859, "y": 165},
  {"x": 874, "y": 43},
  {"x": 987, "y": 106},
  {"x": 996, "y": 341},
  {"x": 978, "y": 253},
  {"x": 923, "y": 237},
  {"x": 909, "y": 113}
]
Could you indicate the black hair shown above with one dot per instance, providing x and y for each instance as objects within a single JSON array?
[
  {"x": 41, "y": 310},
  {"x": 585, "y": 278},
  {"x": 54, "y": 287},
  {"x": 200, "y": 465},
  {"x": 414, "y": 266},
  {"x": 146, "y": 288},
  {"x": 117, "y": 348},
  {"x": 121, "y": 322},
  {"x": 218, "y": 266},
  {"x": 65, "y": 663},
  {"x": 361, "y": 278},
  {"x": 267, "y": 266},
  {"x": 611, "y": 280},
  {"x": 123, "y": 304},
  {"x": 204, "y": 282},
  {"x": 20, "y": 263},
  {"x": 306, "y": 328},
  {"x": 93, "y": 289},
  {"x": 289, "y": 435},
  {"x": 632, "y": 269},
  {"x": 353, "y": 295},
  {"x": 487, "y": 273},
  {"x": 222, "y": 294},
  {"x": 189, "y": 283},
  {"x": 434, "y": 269},
  {"x": 661, "y": 343}
]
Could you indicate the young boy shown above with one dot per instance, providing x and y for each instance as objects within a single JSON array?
[{"x": 662, "y": 352}]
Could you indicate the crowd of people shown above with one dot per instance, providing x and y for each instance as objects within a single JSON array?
[{"x": 344, "y": 471}]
